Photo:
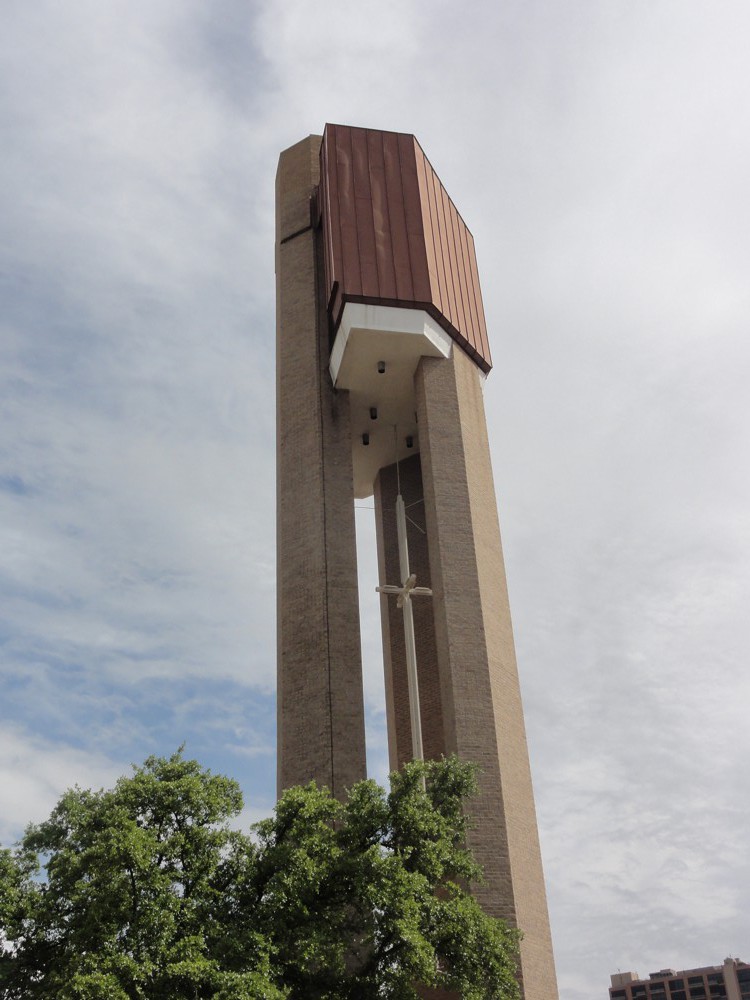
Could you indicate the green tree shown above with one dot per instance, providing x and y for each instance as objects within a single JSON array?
[{"x": 145, "y": 891}]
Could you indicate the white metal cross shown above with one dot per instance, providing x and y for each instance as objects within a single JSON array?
[{"x": 405, "y": 593}]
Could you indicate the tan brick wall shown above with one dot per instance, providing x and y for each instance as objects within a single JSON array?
[
  {"x": 320, "y": 700},
  {"x": 482, "y": 709}
]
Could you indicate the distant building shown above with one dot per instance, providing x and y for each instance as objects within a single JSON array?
[{"x": 730, "y": 980}]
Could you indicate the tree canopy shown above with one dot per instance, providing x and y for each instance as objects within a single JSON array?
[{"x": 146, "y": 891}]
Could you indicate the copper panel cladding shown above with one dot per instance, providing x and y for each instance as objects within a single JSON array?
[{"x": 392, "y": 236}]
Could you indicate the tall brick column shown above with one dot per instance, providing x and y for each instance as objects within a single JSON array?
[
  {"x": 320, "y": 699},
  {"x": 480, "y": 693}
]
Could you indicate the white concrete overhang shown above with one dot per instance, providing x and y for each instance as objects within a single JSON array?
[{"x": 368, "y": 335}]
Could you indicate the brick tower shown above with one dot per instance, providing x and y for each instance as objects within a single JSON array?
[{"x": 382, "y": 352}]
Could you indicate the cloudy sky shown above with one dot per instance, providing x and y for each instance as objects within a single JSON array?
[{"x": 600, "y": 152}]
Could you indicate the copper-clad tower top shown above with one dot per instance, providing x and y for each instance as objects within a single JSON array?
[{"x": 393, "y": 237}]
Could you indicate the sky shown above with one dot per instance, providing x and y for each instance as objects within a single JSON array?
[{"x": 599, "y": 151}]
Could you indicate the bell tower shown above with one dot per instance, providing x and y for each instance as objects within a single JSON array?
[{"x": 382, "y": 355}]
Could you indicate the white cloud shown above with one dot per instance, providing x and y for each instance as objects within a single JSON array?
[
  {"x": 34, "y": 773},
  {"x": 599, "y": 155}
]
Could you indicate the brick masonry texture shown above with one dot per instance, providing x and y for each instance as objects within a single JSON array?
[
  {"x": 320, "y": 698},
  {"x": 481, "y": 701}
]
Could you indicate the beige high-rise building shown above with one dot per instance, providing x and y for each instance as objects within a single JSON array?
[
  {"x": 730, "y": 980},
  {"x": 382, "y": 353}
]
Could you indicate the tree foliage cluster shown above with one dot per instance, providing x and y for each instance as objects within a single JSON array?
[{"x": 146, "y": 891}]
